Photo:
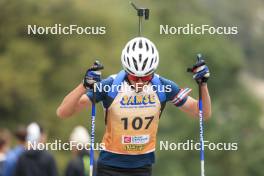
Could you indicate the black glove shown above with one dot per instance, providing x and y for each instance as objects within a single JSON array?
[
  {"x": 92, "y": 75},
  {"x": 200, "y": 70}
]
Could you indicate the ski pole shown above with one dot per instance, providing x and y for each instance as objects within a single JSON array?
[
  {"x": 141, "y": 12},
  {"x": 92, "y": 134},
  {"x": 201, "y": 118},
  {"x": 97, "y": 66}
]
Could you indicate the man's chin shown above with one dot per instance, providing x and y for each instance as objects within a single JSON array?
[{"x": 139, "y": 89}]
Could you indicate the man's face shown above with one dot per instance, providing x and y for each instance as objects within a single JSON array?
[{"x": 139, "y": 82}]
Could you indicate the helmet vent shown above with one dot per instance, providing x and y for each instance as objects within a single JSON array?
[
  {"x": 152, "y": 49},
  {"x": 151, "y": 62},
  {"x": 140, "y": 44},
  {"x": 145, "y": 63},
  {"x": 135, "y": 63},
  {"x": 128, "y": 61},
  {"x": 128, "y": 49},
  {"x": 140, "y": 57},
  {"x": 134, "y": 45},
  {"x": 124, "y": 59},
  {"x": 147, "y": 46}
]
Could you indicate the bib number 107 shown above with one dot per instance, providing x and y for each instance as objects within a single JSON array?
[{"x": 137, "y": 122}]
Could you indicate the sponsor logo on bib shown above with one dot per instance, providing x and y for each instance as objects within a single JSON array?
[
  {"x": 138, "y": 100},
  {"x": 141, "y": 139},
  {"x": 134, "y": 147}
]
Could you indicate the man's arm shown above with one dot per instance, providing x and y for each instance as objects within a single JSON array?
[
  {"x": 75, "y": 101},
  {"x": 191, "y": 105}
]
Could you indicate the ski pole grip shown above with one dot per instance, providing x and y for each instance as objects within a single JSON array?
[
  {"x": 97, "y": 66},
  {"x": 199, "y": 57},
  {"x": 199, "y": 63},
  {"x": 146, "y": 14},
  {"x": 141, "y": 11}
]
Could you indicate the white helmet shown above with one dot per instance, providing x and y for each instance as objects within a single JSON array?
[
  {"x": 140, "y": 57},
  {"x": 80, "y": 135},
  {"x": 33, "y": 133}
]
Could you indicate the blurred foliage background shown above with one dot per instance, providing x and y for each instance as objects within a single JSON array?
[{"x": 37, "y": 71}]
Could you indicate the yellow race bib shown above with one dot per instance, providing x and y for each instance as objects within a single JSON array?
[{"x": 132, "y": 122}]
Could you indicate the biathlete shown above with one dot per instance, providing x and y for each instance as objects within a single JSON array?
[{"x": 133, "y": 107}]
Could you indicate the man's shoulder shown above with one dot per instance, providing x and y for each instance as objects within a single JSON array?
[{"x": 171, "y": 88}]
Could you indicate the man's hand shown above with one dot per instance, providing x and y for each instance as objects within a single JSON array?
[
  {"x": 92, "y": 75},
  {"x": 200, "y": 71}
]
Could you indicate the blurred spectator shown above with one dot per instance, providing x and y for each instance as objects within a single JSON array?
[
  {"x": 80, "y": 164},
  {"x": 4, "y": 146},
  {"x": 35, "y": 162},
  {"x": 13, "y": 155}
]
